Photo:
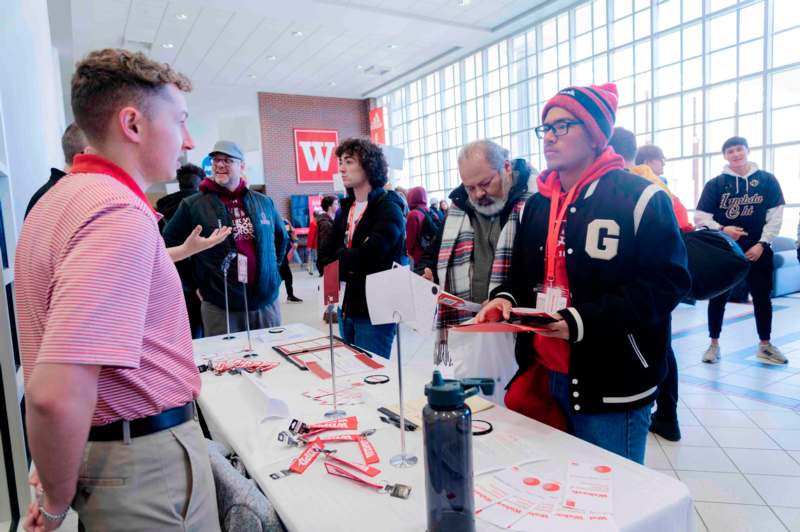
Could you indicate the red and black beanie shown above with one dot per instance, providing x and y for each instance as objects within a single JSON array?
[{"x": 595, "y": 106}]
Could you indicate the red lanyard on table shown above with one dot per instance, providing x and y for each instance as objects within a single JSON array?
[
  {"x": 361, "y": 468},
  {"x": 352, "y": 224},
  {"x": 554, "y": 231},
  {"x": 333, "y": 469}
]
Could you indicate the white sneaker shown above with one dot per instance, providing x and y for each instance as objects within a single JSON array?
[
  {"x": 771, "y": 355},
  {"x": 712, "y": 354}
]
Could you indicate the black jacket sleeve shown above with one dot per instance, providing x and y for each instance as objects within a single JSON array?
[
  {"x": 281, "y": 237},
  {"x": 430, "y": 257},
  {"x": 179, "y": 227},
  {"x": 382, "y": 240},
  {"x": 662, "y": 280},
  {"x": 174, "y": 233},
  {"x": 328, "y": 249}
]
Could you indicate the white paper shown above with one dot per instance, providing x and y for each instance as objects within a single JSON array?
[
  {"x": 273, "y": 408},
  {"x": 496, "y": 450},
  {"x": 489, "y": 490},
  {"x": 400, "y": 295},
  {"x": 537, "y": 518},
  {"x": 589, "y": 487},
  {"x": 508, "y": 511},
  {"x": 533, "y": 484}
]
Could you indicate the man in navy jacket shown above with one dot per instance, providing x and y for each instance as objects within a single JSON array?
[{"x": 600, "y": 252}]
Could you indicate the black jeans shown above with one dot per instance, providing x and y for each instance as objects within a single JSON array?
[
  {"x": 286, "y": 274},
  {"x": 667, "y": 399},
  {"x": 759, "y": 281}
]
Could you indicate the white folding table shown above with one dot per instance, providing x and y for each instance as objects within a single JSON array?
[{"x": 233, "y": 407}]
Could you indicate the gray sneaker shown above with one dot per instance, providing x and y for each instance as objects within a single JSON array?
[
  {"x": 771, "y": 355},
  {"x": 712, "y": 354}
]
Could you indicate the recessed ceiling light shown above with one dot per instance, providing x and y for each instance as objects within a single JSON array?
[
  {"x": 167, "y": 45},
  {"x": 360, "y": 67},
  {"x": 181, "y": 16},
  {"x": 464, "y": 3},
  {"x": 392, "y": 46},
  {"x": 252, "y": 76},
  {"x": 271, "y": 58},
  {"x": 332, "y": 83},
  {"x": 297, "y": 34}
]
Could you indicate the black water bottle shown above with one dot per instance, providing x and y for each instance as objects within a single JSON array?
[{"x": 447, "y": 431}]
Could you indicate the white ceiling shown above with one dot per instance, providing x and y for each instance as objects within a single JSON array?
[{"x": 250, "y": 43}]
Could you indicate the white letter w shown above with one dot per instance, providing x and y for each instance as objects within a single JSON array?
[{"x": 318, "y": 154}]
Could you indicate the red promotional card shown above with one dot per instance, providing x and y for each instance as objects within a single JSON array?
[
  {"x": 330, "y": 283},
  {"x": 496, "y": 328}
]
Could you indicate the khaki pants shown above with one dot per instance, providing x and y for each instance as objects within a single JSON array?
[
  {"x": 214, "y": 322},
  {"x": 161, "y": 481}
]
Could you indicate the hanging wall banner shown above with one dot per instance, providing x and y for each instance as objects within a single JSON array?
[
  {"x": 315, "y": 154},
  {"x": 377, "y": 131}
]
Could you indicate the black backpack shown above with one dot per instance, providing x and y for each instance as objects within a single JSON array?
[
  {"x": 716, "y": 263},
  {"x": 430, "y": 228}
]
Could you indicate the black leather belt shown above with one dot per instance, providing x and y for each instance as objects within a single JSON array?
[{"x": 144, "y": 426}]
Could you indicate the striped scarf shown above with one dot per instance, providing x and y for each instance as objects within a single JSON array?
[{"x": 454, "y": 266}]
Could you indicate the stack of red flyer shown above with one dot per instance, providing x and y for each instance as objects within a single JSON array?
[{"x": 523, "y": 319}]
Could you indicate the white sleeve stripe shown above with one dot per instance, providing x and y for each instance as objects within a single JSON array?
[
  {"x": 591, "y": 188},
  {"x": 705, "y": 219},
  {"x": 641, "y": 205},
  {"x": 513, "y": 300},
  {"x": 578, "y": 324}
]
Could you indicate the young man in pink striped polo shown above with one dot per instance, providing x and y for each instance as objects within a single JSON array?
[{"x": 106, "y": 349}]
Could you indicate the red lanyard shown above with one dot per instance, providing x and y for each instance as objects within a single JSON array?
[
  {"x": 352, "y": 224},
  {"x": 361, "y": 468},
  {"x": 554, "y": 230},
  {"x": 333, "y": 469}
]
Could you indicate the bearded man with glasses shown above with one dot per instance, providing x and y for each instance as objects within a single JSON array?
[{"x": 472, "y": 252}]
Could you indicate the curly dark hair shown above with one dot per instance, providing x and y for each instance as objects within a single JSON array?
[
  {"x": 370, "y": 157},
  {"x": 189, "y": 176}
]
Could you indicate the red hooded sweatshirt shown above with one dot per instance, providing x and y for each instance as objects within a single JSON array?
[{"x": 415, "y": 220}]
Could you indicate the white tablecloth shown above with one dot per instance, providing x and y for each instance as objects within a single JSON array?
[{"x": 233, "y": 406}]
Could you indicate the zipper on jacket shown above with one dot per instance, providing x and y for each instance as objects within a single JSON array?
[{"x": 636, "y": 350}]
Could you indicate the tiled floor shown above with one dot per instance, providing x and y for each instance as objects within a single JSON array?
[{"x": 740, "y": 419}]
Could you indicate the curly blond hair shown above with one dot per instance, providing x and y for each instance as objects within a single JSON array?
[{"x": 106, "y": 80}]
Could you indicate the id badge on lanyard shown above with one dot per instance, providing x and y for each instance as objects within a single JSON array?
[{"x": 549, "y": 297}]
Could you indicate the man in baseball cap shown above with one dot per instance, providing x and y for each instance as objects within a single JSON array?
[
  {"x": 258, "y": 236},
  {"x": 600, "y": 252}
]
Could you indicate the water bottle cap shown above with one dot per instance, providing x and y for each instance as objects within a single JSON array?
[
  {"x": 444, "y": 393},
  {"x": 450, "y": 393}
]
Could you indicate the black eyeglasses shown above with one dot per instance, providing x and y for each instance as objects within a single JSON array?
[{"x": 559, "y": 129}]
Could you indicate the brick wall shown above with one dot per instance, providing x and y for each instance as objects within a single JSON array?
[{"x": 280, "y": 114}]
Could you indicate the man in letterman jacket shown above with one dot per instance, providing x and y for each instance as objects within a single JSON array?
[{"x": 618, "y": 267}]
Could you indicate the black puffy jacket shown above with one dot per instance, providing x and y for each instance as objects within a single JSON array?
[{"x": 379, "y": 241}]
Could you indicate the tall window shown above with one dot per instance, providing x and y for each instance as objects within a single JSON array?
[{"x": 690, "y": 74}]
